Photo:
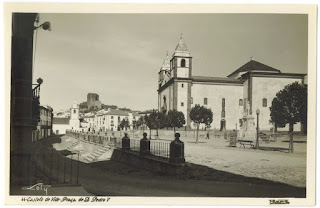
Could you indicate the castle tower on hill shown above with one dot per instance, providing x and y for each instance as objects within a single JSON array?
[{"x": 93, "y": 101}]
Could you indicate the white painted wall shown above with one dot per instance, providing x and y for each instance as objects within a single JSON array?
[
  {"x": 265, "y": 87},
  {"x": 60, "y": 127},
  {"x": 215, "y": 93},
  {"x": 182, "y": 97}
]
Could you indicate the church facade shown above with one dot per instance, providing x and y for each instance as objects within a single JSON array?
[{"x": 252, "y": 86}]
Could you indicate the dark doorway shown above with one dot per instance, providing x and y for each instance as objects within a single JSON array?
[{"x": 222, "y": 125}]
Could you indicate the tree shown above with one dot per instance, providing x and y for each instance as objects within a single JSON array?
[
  {"x": 277, "y": 114},
  {"x": 156, "y": 120},
  {"x": 124, "y": 124},
  {"x": 142, "y": 122},
  {"x": 292, "y": 102},
  {"x": 175, "y": 119},
  {"x": 134, "y": 124},
  {"x": 201, "y": 115}
]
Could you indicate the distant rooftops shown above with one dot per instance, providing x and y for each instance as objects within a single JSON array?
[
  {"x": 117, "y": 112},
  {"x": 58, "y": 120}
]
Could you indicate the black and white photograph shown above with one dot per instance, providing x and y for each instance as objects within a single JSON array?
[{"x": 149, "y": 104}]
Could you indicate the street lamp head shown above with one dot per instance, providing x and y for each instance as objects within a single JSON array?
[
  {"x": 46, "y": 26},
  {"x": 39, "y": 81},
  {"x": 258, "y": 111}
]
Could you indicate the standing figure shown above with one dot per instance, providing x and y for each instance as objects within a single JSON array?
[{"x": 207, "y": 137}]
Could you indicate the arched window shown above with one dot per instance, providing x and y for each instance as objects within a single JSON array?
[
  {"x": 74, "y": 111},
  {"x": 223, "y": 102},
  {"x": 240, "y": 102},
  {"x": 183, "y": 63},
  {"x": 264, "y": 102}
]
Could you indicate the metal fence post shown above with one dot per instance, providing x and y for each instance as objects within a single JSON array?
[
  {"x": 78, "y": 170},
  {"x": 58, "y": 169},
  {"x": 71, "y": 169}
]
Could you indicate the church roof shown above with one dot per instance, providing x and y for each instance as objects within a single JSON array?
[
  {"x": 166, "y": 63},
  {"x": 216, "y": 79},
  {"x": 182, "y": 46},
  {"x": 57, "y": 120},
  {"x": 181, "y": 49},
  {"x": 254, "y": 65}
]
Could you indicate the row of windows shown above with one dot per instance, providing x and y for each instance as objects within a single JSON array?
[{"x": 205, "y": 102}]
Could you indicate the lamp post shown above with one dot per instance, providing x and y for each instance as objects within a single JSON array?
[{"x": 257, "y": 142}]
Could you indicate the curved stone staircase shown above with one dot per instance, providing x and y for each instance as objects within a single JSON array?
[{"x": 95, "y": 155}]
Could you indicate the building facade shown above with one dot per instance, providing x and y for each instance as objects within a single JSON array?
[
  {"x": 253, "y": 86},
  {"x": 109, "y": 120},
  {"x": 45, "y": 124}
]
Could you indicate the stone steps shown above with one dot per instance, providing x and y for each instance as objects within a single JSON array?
[
  {"x": 73, "y": 145},
  {"x": 93, "y": 156}
]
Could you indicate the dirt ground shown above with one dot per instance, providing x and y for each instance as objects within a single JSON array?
[
  {"x": 283, "y": 167},
  {"x": 112, "y": 178},
  {"x": 289, "y": 168}
]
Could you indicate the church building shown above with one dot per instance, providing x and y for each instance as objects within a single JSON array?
[{"x": 250, "y": 87}]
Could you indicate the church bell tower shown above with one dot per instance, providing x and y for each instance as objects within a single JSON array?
[
  {"x": 74, "y": 117},
  {"x": 181, "y": 62},
  {"x": 181, "y": 70}
]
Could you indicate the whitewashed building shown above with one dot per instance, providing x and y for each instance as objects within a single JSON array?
[
  {"x": 61, "y": 124},
  {"x": 254, "y": 85}
]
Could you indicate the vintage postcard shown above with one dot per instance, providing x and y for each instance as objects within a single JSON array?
[{"x": 115, "y": 104}]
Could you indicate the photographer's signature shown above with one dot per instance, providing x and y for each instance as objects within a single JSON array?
[{"x": 38, "y": 187}]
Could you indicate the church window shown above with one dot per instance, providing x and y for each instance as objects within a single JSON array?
[
  {"x": 183, "y": 63},
  {"x": 191, "y": 100},
  {"x": 74, "y": 111},
  {"x": 182, "y": 104},
  {"x": 223, "y": 114},
  {"x": 111, "y": 117},
  {"x": 264, "y": 102},
  {"x": 205, "y": 101},
  {"x": 223, "y": 102},
  {"x": 182, "y": 85},
  {"x": 240, "y": 102}
]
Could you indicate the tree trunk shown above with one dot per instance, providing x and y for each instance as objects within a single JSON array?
[
  {"x": 291, "y": 137},
  {"x": 157, "y": 133},
  {"x": 275, "y": 128},
  {"x": 174, "y": 129},
  {"x": 150, "y": 134},
  {"x": 197, "y": 133}
]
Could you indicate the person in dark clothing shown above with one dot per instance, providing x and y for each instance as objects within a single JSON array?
[{"x": 207, "y": 137}]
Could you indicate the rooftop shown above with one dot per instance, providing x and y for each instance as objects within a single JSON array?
[
  {"x": 58, "y": 120},
  {"x": 216, "y": 79},
  {"x": 117, "y": 112},
  {"x": 253, "y": 66}
]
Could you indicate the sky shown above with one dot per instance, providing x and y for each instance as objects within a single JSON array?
[{"x": 118, "y": 56}]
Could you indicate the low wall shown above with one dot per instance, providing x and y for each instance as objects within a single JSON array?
[{"x": 150, "y": 163}]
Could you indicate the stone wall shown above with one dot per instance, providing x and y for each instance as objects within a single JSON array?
[{"x": 147, "y": 162}]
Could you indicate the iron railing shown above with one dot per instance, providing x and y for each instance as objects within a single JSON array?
[
  {"x": 49, "y": 168},
  {"x": 160, "y": 149},
  {"x": 157, "y": 148}
]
